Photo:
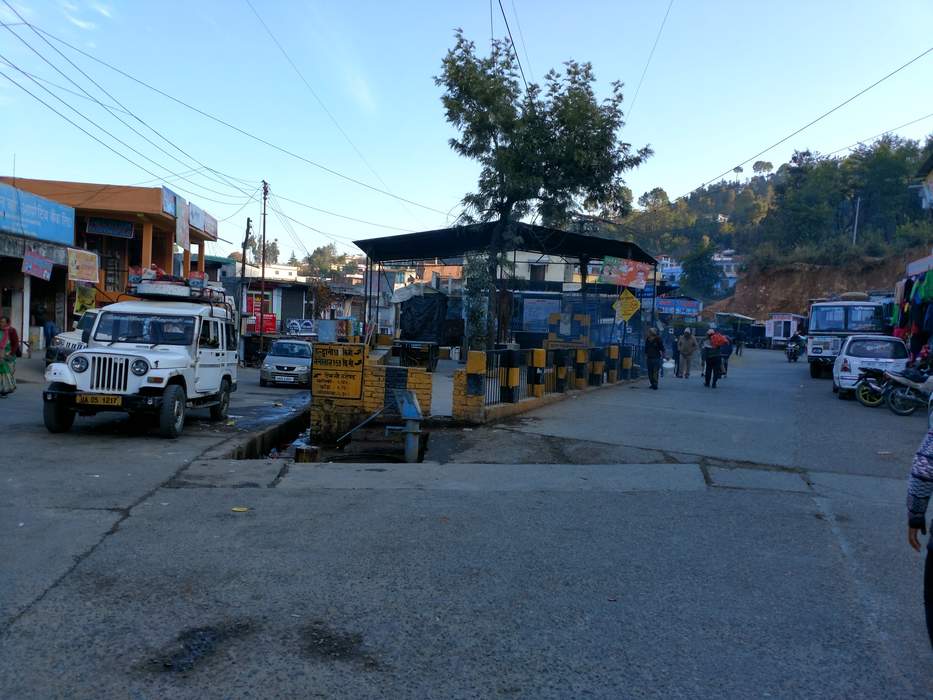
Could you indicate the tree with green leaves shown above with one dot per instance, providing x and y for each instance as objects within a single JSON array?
[
  {"x": 293, "y": 259},
  {"x": 321, "y": 261},
  {"x": 700, "y": 274},
  {"x": 272, "y": 250},
  {"x": 762, "y": 167},
  {"x": 551, "y": 151}
]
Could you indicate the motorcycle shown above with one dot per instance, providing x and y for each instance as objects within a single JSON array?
[
  {"x": 910, "y": 390},
  {"x": 792, "y": 351},
  {"x": 872, "y": 387}
]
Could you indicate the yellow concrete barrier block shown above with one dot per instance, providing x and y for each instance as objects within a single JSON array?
[
  {"x": 538, "y": 390},
  {"x": 626, "y": 363},
  {"x": 613, "y": 352},
  {"x": 583, "y": 356},
  {"x": 514, "y": 375},
  {"x": 538, "y": 357},
  {"x": 476, "y": 362}
]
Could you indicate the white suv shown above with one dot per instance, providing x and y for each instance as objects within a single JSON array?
[{"x": 148, "y": 358}]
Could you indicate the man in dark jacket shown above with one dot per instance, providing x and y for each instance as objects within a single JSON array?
[{"x": 654, "y": 356}]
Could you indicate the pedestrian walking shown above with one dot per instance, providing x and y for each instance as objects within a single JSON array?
[
  {"x": 686, "y": 346},
  {"x": 712, "y": 356},
  {"x": 9, "y": 350},
  {"x": 675, "y": 354},
  {"x": 726, "y": 353},
  {"x": 739, "y": 343},
  {"x": 654, "y": 356},
  {"x": 919, "y": 489}
]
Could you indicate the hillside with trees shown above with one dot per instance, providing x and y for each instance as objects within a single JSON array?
[{"x": 804, "y": 211}]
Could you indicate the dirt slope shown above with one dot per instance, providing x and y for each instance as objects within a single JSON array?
[{"x": 788, "y": 289}]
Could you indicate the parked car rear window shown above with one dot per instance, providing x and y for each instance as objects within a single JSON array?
[
  {"x": 877, "y": 349},
  {"x": 280, "y": 349}
]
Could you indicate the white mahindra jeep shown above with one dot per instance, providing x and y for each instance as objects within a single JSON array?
[{"x": 148, "y": 359}]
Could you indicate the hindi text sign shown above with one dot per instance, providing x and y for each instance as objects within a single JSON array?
[{"x": 337, "y": 370}]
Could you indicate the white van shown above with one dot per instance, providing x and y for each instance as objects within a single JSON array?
[{"x": 148, "y": 358}]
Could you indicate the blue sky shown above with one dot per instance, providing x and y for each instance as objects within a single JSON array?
[{"x": 727, "y": 79}]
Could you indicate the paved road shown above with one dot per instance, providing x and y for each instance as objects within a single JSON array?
[
  {"x": 61, "y": 494},
  {"x": 748, "y": 557},
  {"x": 767, "y": 411}
]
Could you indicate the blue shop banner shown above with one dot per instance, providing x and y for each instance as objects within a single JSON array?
[{"x": 25, "y": 214}]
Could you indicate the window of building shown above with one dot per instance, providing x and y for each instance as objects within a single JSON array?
[{"x": 538, "y": 273}]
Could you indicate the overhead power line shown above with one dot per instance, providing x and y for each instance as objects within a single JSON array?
[
  {"x": 317, "y": 97},
  {"x": 100, "y": 141},
  {"x": 819, "y": 118},
  {"x": 243, "y": 132},
  {"x": 878, "y": 136},
  {"x": 644, "y": 71},
  {"x": 514, "y": 50},
  {"x": 122, "y": 142},
  {"x": 108, "y": 94},
  {"x": 521, "y": 36},
  {"x": 343, "y": 216}
]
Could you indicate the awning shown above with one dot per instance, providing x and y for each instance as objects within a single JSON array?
[{"x": 459, "y": 240}]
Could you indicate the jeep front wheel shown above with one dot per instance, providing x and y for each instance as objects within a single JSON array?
[
  {"x": 222, "y": 408},
  {"x": 58, "y": 418},
  {"x": 172, "y": 412}
]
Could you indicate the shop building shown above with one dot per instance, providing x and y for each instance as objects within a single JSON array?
[
  {"x": 129, "y": 228},
  {"x": 35, "y": 234}
]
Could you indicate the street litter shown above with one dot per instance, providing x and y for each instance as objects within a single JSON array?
[
  {"x": 240, "y": 509},
  {"x": 278, "y": 404},
  {"x": 884, "y": 452},
  {"x": 231, "y": 422}
]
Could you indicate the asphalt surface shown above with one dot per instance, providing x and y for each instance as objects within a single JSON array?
[{"x": 757, "y": 551}]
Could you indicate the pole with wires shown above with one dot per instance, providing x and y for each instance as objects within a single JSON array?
[
  {"x": 262, "y": 273},
  {"x": 242, "y": 287}
]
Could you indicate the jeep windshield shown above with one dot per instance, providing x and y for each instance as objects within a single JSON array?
[
  {"x": 87, "y": 321},
  {"x": 840, "y": 318},
  {"x": 145, "y": 328}
]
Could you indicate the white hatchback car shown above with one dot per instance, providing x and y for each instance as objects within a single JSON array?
[{"x": 860, "y": 352}]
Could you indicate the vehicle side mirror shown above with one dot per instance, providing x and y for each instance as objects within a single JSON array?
[{"x": 86, "y": 336}]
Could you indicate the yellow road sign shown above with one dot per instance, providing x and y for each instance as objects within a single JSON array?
[{"x": 626, "y": 306}]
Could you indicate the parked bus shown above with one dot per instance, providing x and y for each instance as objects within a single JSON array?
[{"x": 831, "y": 322}]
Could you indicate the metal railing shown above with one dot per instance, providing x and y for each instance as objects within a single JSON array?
[{"x": 494, "y": 363}]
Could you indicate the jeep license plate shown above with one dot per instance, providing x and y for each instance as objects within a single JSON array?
[
  {"x": 284, "y": 378},
  {"x": 99, "y": 400}
]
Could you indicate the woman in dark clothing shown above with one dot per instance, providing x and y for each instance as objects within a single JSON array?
[{"x": 654, "y": 356}]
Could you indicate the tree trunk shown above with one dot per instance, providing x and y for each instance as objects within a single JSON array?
[{"x": 492, "y": 262}]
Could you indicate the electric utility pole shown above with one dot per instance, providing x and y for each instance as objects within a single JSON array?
[
  {"x": 239, "y": 302},
  {"x": 262, "y": 274}
]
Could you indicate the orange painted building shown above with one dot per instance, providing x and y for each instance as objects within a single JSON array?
[{"x": 128, "y": 227}]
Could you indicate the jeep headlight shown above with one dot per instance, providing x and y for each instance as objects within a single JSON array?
[
  {"x": 79, "y": 363},
  {"x": 139, "y": 367},
  {"x": 57, "y": 342}
]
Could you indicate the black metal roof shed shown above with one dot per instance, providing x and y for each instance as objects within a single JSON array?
[{"x": 459, "y": 240}]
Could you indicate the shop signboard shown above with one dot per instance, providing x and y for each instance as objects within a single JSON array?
[
  {"x": 85, "y": 298},
  {"x": 679, "y": 307},
  {"x": 37, "y": 265},
  {"x": 337, "y": 370},
  {"x": 115, "y": 228},
  {"x": 82, "y": 266},
  {"x": 535, "y": 313},
  {"x": 196, "y": 216},
  {"x": 210, "y": 226},
  {"x": 25, "y": 214},
  {"x": 169, "y": 200},
  {"x": 625, "y": 273},
  {"x": 182, "y": 234}
]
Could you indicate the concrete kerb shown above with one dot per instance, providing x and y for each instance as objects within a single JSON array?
[{"x": 507, "y": 410}]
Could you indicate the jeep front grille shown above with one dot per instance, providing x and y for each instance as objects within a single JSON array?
[{"x": 109, "y": 373}]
